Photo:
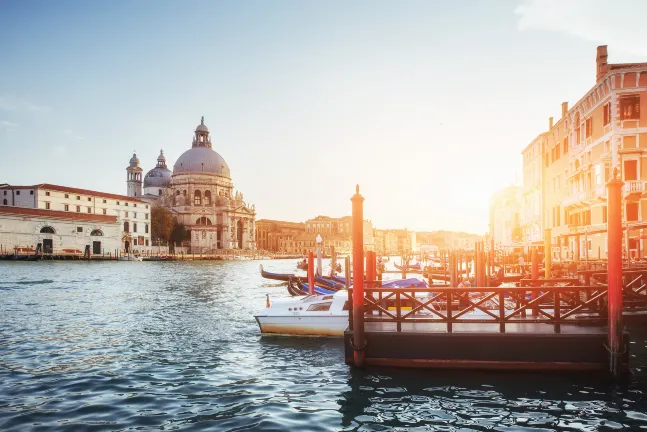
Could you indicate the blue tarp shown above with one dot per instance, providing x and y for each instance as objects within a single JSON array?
[{"x": 405, "y": 283}]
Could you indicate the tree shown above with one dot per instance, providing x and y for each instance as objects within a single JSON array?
[
  {"x": 179, "y": 233},
  {"x": 162, "y": 224}
]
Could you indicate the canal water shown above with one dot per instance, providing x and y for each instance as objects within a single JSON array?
[{"x": 174, "y": 346}]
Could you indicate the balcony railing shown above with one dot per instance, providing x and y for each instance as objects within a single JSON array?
[{"x": 634, "y": 186}]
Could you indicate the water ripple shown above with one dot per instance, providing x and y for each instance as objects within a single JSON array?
[{"x": 174, "y": 346}]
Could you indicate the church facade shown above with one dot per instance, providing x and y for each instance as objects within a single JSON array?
[{"x": 199, "y": 191}]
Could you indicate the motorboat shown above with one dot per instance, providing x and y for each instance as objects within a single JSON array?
[
  {"x": 130, "y": 258},
  {"x": 311, "y": 315}
]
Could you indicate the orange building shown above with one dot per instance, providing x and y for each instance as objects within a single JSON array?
[{"x": 604, "y": 130}]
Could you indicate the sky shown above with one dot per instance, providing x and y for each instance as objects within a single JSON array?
[{"x": 425, "y": 104}]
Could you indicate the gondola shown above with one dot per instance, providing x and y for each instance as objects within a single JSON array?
[
  {"x": 415, "y": 266},
  {"x": 301, "y": 265},
  {"x": 284, "y": 277},
  {"x": 6, "y": 257},
  {"x": 295, "y": 291}
]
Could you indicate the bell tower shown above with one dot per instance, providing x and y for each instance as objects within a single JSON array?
[{"x": 134, "y": 177}]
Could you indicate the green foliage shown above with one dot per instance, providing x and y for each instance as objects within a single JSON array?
[{"x": 162, "y": 224}]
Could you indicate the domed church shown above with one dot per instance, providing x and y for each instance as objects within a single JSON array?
[{"x": 200, "y": 193}]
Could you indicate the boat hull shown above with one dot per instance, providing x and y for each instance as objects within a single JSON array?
[{"x": 331, "y": 325}]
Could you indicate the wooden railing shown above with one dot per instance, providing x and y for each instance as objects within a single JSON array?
[{"x": 556, "y": 305}]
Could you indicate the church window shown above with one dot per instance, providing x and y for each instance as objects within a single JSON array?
[
  {"x": 135, "y": 205},
  {"x": 105, "y": 211},
  {"x": 146, "y": 228},
  {"x": 207, "y": 198},
  {"x": 79, "y": 229},
  {"x": 104, "y": 201},
  {"x": 89, "y": 209},
  {"x": 67, "y": 207},
  {"x": 46, "y": 193},
  {"x": 126, "y": 214},
  {"x": 134, "y": 215},
  {"x": 17, "y": 192},
  {"x": 47, "y": 206},
  {"x": 31, "y": 192},
  {"x": 134, "y": 227},
  {"x": 47, "y": 230},
  {"x": 126, "y": 204},
  {"x": 78, "y": 209},
  {"x": 126, "y": 226},
  {"x": 117, "y": 202},
  {"x": 78, "y": 197},
  {"x": 146, "y": 207},
  {"x": 145, "y": 215},
  {"x": 197, "y": 198},
  {"x": 89, "y": 199},
  {"x": 96, "y": 232},
  {"x": 4, "y": 201},
  {"x": 67, "y": 195}
]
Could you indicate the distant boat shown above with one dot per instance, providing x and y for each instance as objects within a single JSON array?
[
  {"x": 130, "y": 258},
  {"x": 415, "y": 266}
]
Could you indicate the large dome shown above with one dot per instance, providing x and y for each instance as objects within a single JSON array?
[{"x": 201, "y": 160}]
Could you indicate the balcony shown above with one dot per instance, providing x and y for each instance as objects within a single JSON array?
[
  {"x": 633, "y": 188},
  {"x": 596, "y": 194},
  {"x": 578, "y": 199}
]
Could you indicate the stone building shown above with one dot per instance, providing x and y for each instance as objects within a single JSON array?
[
  {"x": 278, "y": 236},
  {"x": 606, "y": 129},
  {"x": 200, "y": 194},
  {"x": 61, "y": 217}
]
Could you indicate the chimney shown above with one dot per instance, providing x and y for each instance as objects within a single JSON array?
[
  {"x": 564, "y": 109},
  {"x": 601, "y": 62},
  {"x": 550, "y": 123}
]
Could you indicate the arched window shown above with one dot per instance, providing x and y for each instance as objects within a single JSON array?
[
  {"x": 135, "y": 227},
  {"x": 126, "y": 226},
  {"x": 197, "y": 198},
  {"x": 204, "y": 221},
  {"x": 47, "y": 230},
  {"x": 207, "y": 198},
  {"x": 96, "y": 232},
  {"x": 146, "y": 228}
]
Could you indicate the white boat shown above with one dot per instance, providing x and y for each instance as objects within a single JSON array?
[
  {"x": 130, "y": 258},
  {"x": 313, "y": 315}
]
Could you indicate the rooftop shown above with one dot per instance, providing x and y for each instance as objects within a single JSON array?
[
  {"x": 26, "y": 211},
  {"x": 59, "y": 188}
]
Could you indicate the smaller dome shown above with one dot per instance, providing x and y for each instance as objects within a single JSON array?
[
  {"x": 134, "y": 160},
  {"x": 158, "y": 177}
]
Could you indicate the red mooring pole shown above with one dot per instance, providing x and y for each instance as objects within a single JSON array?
[
  {"x": 311, "y": 272},
  {"x": 614, "y": 272},
  {"x": 370, "y": 269},
  {"x": 358, "y": 341},
  {"x": 534, "y": 270}
]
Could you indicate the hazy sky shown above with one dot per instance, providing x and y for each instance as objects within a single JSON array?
[{"x": 427, "y": 105}]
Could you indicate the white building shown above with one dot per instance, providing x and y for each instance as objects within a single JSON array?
[
  {"x": 123, "y": 222},
  {"x": 200, "y": 193}
]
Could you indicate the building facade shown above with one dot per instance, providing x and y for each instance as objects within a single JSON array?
[
  {"x": 505, "y": 217},
  {"x": 200, "y": 194},
  {"x": 278, "y": 236},
  {"x": 122, "y": 222},
  {"x": 532, "y": 224},
  {"x": 604, "y": 131}
]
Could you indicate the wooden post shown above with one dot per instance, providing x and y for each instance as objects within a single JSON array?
[
  {"x": 347, "y": 271},
  {"x": 311, "y": 273},
  {"x": 614, "y": 271},
  {"x": 359, "y": 341},
  {"x": 535, "y": 276},
  {"x": 547, "y": 254},
  {"x": 370, "y": 269}
]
